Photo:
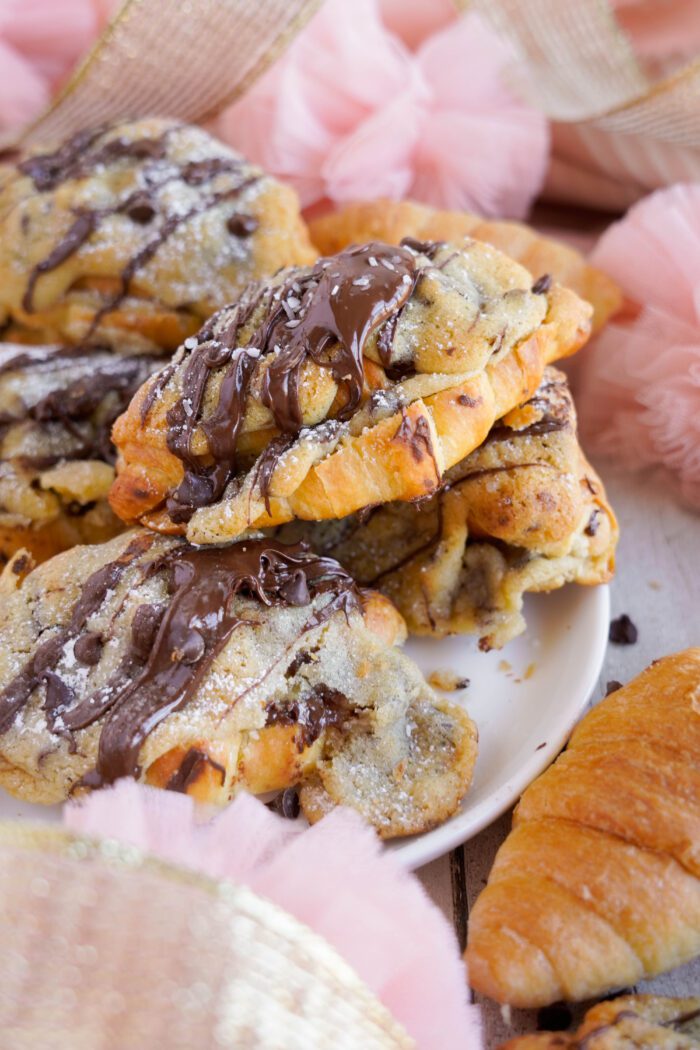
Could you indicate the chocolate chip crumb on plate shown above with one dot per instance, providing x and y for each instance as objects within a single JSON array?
[{"x": 623, "y": 631}]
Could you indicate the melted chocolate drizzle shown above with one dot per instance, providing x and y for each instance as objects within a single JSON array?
[
  {"x": 79, "y": 232},
  {"x": 325, "y": 315},
  {"x": 108, "y": 388},
  {"x": 346, "y": 298},
  {"x": 39, "y": 667},
  {"x": 172, "y": 645}
]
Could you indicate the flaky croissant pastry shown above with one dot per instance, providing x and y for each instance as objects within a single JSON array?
[
  {"x": 523, "y": 512},
  {"x": 388, "y": 220},
  {"x": 632, "y": 1022},
  {"x": 349, "y": 384},
  {"x": 598, "y": 884},
  {"x": 257, "y": 665},
  {"x": 131, "y": 234}
]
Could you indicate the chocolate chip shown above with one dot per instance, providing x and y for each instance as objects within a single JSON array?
[
  {"x": 20, "y": 564},
  {"x": 295, "y": 591},
  {"x": 623, "y": 631},
  {"x": 592, "y": 526},
  {"x": 612, "y": 686},
  {"x": 555, "y": 1018},
  {"x": 462, "y": 683},
  {"x": 88, "y": 648},
  {"x": 286, "y": 804},
  {"x": 142, "y": 212},
  {"x": 468, "y": 402},
  {"x": 242, "y": 225},
  {"x": 144, "y": 628},
  {"x": 542, "y": 285},
  {"x": 76, "y": 510}
]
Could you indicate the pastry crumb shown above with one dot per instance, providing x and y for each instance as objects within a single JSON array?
[{"x": 448, "y": 681}]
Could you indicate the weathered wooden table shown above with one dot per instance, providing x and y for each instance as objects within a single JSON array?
[{"x": 658, "y": 585}]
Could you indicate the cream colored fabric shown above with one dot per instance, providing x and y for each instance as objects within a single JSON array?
[
  {"x": 105, "y": 947},
  {"x": 180, "y": 58}
]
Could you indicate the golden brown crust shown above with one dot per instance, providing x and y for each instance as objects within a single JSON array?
[
  {"x": 597, "y": 886},
  {"x": 95, "y": 524},
  {"x": 160, "y": 254},
  {"x": 392, "y": 220},
  {"x": 375, "y": 457},
  {"x": 630, "y": 1022}
]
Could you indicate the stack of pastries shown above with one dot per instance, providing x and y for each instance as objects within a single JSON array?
[{"x": 234, "y": 472}]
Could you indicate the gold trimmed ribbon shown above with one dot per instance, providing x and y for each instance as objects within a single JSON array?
[
  {"x": 175, "y": 58},
  {"x": 617, "y": 131},
  {"x": 105, "y": 946}
]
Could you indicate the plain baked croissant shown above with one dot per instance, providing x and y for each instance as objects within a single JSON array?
[{"x": 598, "y": 884}]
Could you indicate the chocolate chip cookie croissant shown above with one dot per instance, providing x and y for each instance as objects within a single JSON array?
[
  {"x": 256, "y": 665},
  {"x": 388, "y": 220},
  {"x": 349, "y": 384},
  {"x": 523, "y": 512},
  {"x": 631, "y": 1022},
  {"x": 598, "y": 884},
  {"x": 130, "y": 235},
  {"x": 57, "y": 407}
]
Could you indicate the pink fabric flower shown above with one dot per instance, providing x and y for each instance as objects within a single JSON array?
[
  {"x": 40, "y": 42},
  {"x": 335, "y": 877},
  {"x": 638, "y": 386},
  {"x": 349, "y": 113}
]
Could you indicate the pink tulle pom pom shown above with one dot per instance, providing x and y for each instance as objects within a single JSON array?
[
  {"x": 40, "y": 42},
  {"x": 663, "y": 35},
  {"x": 335, "y": 877},
  {"x": 349, "y": 113},
  {"x": 638, "y": 386}
]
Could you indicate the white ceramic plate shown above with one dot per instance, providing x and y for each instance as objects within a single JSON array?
[{"x": 524, "y": 699}]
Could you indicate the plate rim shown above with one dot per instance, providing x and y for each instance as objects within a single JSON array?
[{"x": 414, "y": 854}]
